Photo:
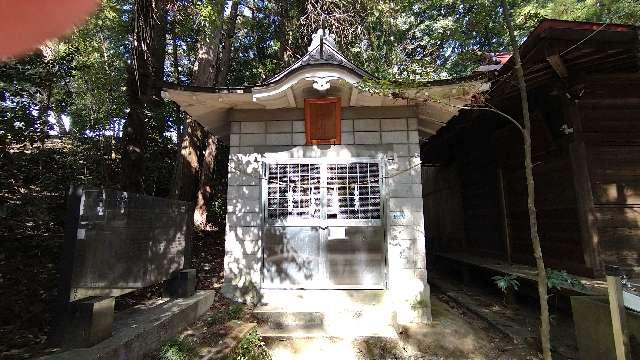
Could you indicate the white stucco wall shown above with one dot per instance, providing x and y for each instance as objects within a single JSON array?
[{"x": 393, "y": 138}]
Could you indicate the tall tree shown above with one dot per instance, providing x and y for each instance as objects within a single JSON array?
[
  {"x": 229, "y": 34},
  {"x": 144, "y": 76},
  {"x": 545, "y": 337}
]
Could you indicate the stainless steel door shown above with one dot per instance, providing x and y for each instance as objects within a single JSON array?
[{"x": 323, "y": 225}]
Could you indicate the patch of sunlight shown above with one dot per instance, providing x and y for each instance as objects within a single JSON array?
[{"x": 314, "y": 349}]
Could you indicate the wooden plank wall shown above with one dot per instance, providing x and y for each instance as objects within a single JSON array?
[
  {"x": 557, "y": 214},
  {"x": 444, "y": 222},
  {"x": 609, "y": 125}
]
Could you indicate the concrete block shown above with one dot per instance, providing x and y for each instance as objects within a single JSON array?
[
  {"x": 235, "y": 127},
  {"x": 244, "y": 233},
  {"x": 297, "y": 127},
  {"x": 299, "y": 139},
  {"x": 412, "y": 124},
  {"x": 244, "y": 219},
  {"x": 411, "y": 176},
  {"x": 401, "y": 149},
  {"x": 234, "y": 140},
  {"x": 401, "y": 254},
  {"x": 407, "y": 190},
  {"x": 282, "y": 126},
  {"x": 181, "y": 284},
  {"x": 245, "y": 192},
  {"x": 406, "y": 204},
  {"x": 394, "y": 137},
  {"x": 347, "y": 125},
  {"x": 393, "y": 124},
  {"x": 279, "y": 139},
  {"x": 347, "y": 138},
  {"x": 414, "y": 150},
  {"x": 239, "y": 205},
  {"x": 406, "y": 217},
  {"x": 252, "y": 139},
  {"x": 366, "y": 125},
  {"x": 154, "y": 326},
  {"x": 236, "y": 178},
  {"x": 252, "y": 127},
  {"x": 413, "y": 137},
  {"x": 366, "y": 137},
  {"x": 89, "y": 322},
  {"x": 402, "y": 232}
]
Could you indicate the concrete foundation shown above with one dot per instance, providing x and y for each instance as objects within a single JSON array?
[
  {"x": 144, "y": 329},
  {"x": 594, "y": 332}
]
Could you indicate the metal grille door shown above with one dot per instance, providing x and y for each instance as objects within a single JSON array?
[{"x": 323, "y": 225}]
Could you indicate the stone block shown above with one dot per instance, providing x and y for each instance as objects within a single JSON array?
[
  {"x": 282, "y": 126},
  {"x": 406, "y": 217},
  {"x": 181, "y": 284},
  {"x": 236, "y": 178},
  {"x": 366, "y": 125},
  {"x": 246, "y": 192},
  {"x": 394, "y": 137},
  {"x": 88, "y": 322},
  {"x": 297, "y": 127},
  {"x": 234, "y": 140},
  {"x": 244, "y": 233},
  {"x": 235, "y": 127},
  {"x": 393, "y": 124},
  {"x": 252, "y": 139},
  {"x": 252, "y": 127},
  {"x": 299, "y": 139},
  {"x": 279, "y": 139},
  {"x": 347, "y": 125},
  {"x": 367, "y": 137},
  {"x": 347, "y": 138},
  {"x": 411, "y": 176},
  {"x": 412, "y": 124}
]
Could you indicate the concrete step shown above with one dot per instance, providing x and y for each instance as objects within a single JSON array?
[{"x": 325, "y": 313}]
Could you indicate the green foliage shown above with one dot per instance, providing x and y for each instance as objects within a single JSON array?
[
  {"x": 226, "y": 314},
  {"x": 420, "y": 303},
  {"x": 251, "y": 347},
  {"x": 506, "y": 282},
  {"x": 559, "y": 279},
  {"x": 178, "y": 349}
]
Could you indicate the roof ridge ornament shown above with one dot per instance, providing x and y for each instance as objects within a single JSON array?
[{"x": 320, "y": 37}]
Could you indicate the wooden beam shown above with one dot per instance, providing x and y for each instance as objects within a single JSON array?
[
  {"x": 291, "y": 98},
  {"x": 558, "y": 65},
  {"x": 582, "y": 184},
  {"x": 618, "y": 312}
]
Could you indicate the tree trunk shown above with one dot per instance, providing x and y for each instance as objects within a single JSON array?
[
  {"x": 229, "y": 33},
  {"x": 206, "y": 182},
  {"x": 194, "y": 177},
  {"x": 533, "y": 222},
  {"x": 144, "y": 76}
]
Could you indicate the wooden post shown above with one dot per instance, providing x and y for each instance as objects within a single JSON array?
[
  {"x": 616, "y": 306},
  {"x": 505, "y": 216}
]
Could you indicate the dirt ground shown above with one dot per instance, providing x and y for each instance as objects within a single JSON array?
[{"x": 453, "y": 334}]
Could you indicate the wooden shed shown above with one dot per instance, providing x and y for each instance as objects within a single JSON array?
[{"x": 583, "y": 83}]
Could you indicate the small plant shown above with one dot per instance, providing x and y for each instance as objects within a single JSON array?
[
  {"x": 506, "y": 282},
  {"x": 560, "y": 278},
  {"x": 233, "y": 312},
  {"x": 178, "y": 349},
  {"x": 420, "y": 303},
  {"x": 251, "y": 347}
]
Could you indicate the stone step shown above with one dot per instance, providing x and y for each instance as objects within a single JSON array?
[{"x": 325, "y": 313}]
